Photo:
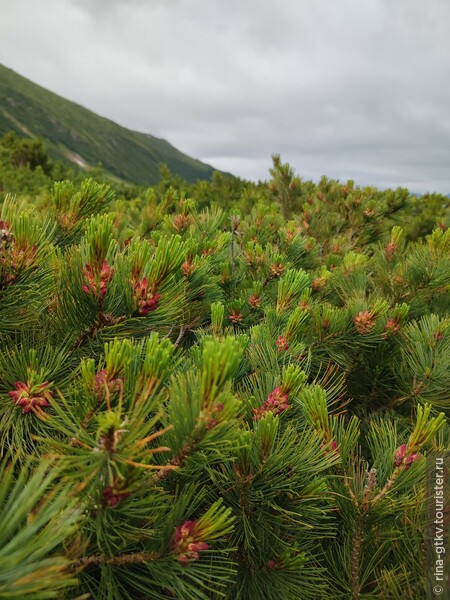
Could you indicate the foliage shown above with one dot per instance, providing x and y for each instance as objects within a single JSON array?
[{"x": 219, "y": 390}]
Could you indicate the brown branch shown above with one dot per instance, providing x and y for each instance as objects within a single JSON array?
[
  {"x": 390, "y": 482},
  {"x": 355, "y": 560},
  {"x": 418, "y": 389},
  {"x": 104, "y": 320},
  {"x": 124, "y": 559},
  {"x": 181, "y": 335}
]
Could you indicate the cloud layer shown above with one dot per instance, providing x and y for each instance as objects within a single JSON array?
[{"x": 349, "y": 89}]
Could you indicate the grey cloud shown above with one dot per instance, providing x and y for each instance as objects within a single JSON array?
[
  {"x": 99, "y": 7},
  {"x": 348, "y": 89}
]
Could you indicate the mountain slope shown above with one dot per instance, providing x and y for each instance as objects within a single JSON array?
[{"x": 76, "y": 135}]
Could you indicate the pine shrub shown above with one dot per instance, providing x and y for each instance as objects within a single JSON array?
[{"x": 202, "y": 402}]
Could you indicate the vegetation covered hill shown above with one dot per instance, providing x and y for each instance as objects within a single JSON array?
[{"x": 78, "y": 136}]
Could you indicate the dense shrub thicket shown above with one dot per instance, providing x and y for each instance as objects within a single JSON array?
[{"x": 222, "y": 390}]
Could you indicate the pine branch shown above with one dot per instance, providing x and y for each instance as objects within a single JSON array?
[
  {"x": 104, "y": 320},
  {"x": 124, "y": 559},
  {"x": 356, "y": 556},
  {"x": 357, "y": 538},
  {"x": 182, "y": 333}
]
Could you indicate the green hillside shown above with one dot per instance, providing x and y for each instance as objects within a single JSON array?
[{"x": 78, "y": 136}]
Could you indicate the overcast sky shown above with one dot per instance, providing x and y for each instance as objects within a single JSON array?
[{"x": 355, "y": 89}]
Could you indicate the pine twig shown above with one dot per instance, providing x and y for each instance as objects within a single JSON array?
[
  {"x": 124, "y": 559},
  {"x": 104, "y": 320},
  {"x": 355, "y": 560},
  {"x": 234, "y": 231},
  {"x": 181, "y": 335},
  {"x": 390, "y": 482},
  {"x": 371, "y": 477}
]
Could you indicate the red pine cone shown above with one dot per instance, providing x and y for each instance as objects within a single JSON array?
[
  {"x": 186, "y": 544},
  {"x": 30, "y": 396},
  {"x": 277, "y": 402},
  {"x": 147, "y": 300}
]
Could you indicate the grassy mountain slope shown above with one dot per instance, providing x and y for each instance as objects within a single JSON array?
[{"x": 76, "y": 135}]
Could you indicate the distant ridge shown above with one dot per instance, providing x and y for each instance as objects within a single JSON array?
[{"x": 80, "y": 137}]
